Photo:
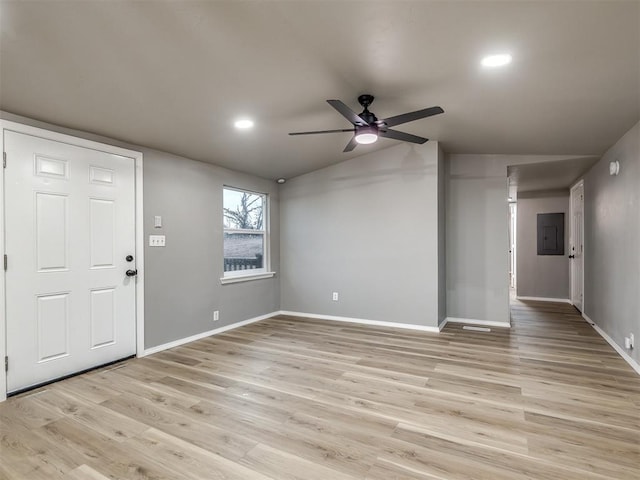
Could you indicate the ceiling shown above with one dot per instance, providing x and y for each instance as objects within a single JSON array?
[
  {"x": 557, "y": 175},
  {"x": 175, "y": 75}
]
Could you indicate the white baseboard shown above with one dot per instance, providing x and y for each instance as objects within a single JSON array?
[
  {"x": 545, "y": 299},
  {"x": 589, "y": 321},
  {"x": 625, "y": 356},
  {"x": 198, "y": 336},
  {"x": 473, "y": 321},
  {"x": 379, "y": 323}
]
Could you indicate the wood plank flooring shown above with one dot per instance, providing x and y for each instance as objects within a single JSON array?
[{"x": 293, "y": 399}]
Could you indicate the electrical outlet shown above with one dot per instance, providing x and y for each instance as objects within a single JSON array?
[
  {"x": 157, "y": 240},
  {"x": 335, "y": 296},
  {"x": 216, "y": 315}
]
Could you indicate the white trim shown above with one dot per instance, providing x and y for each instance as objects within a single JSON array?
[
  {"x": 473, "y": 321},
  {"x": 507, "y": 212},
  {"x": 544, "y": 299},
  {"x": 589, "y": 321},
  {"x": 7, "y": 125},
  {"x": 265, "y": 271},
  {"x": 579, "y": 183},
  {"x": 3, "y": 310},
  {"x": 198, "y": 336},
  {"x": 625, "y": 356},
  {"x": 139, "y": 257},
  {"x": 379, "y": 323},
  {"x": 513, "y": 233},
  {"x": 251, "y": 272},
  {"x": 246, "y": 278}
]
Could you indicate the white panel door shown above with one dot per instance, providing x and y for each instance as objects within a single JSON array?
[
  {"x": 70, "y": 224},
  {"x": 577, "y": 245}
]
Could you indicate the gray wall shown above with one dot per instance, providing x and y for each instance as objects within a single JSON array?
[
  {"x": 477, "y": 238},
  {"x": 541, "y": 275},
  {"x": 366, "y": 228},
  {"x": 182, "y": 280},
  {"x": 443, "y": 172},
  {"x": 612, "y": 242}
]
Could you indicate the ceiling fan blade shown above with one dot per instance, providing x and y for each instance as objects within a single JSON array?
[
  {"x": 347, "y": 113},
  {"x": 322, "y": 131},
  {"x": 351, "y": 145},
  {"x": 405, "y": 137},
  {"x": 410, "y": 117}
]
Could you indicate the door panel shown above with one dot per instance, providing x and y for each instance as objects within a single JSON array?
[
  {"x": 51, "y": 231},
  {"x": 102, "y": 225},
  {"x": 70, "y": 223},
  {"x": 52, "y": 316}
]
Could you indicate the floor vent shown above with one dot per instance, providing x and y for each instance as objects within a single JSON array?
[{"x": 476, "y": 329}]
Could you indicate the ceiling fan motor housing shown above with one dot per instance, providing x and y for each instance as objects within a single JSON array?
[
  {"x": 365, "y": 100},
  {"x": 373, "y": 129}
]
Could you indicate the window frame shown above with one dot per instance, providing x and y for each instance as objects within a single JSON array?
[{"x": 255, "y": 273}]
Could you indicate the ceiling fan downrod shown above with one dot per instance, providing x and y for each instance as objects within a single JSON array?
[{"x": 365, "y": 100}]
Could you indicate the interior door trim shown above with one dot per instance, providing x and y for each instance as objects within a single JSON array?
[
  {"x": 6, "y": 125},
  {"x": 579, "y": 183}
]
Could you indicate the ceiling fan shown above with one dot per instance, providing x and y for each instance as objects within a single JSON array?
[{"x": 367, "y": 128}]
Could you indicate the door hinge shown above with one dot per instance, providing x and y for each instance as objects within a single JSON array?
[
  {"x": 6, "y": 364},
  {"x": 4, "y": 159},
  {"x": 5, "y": 262}
]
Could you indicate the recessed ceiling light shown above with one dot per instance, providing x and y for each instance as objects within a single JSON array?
[
  {"x": 243, "y": 124},
  {"x": 498, "y": 60}
]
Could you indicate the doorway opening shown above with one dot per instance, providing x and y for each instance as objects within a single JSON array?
[{"x": 546, "y": 231}]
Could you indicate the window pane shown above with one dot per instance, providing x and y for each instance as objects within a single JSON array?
[
  {"x": 243, "y": 210},
  {"x": 243, "y": 251}
]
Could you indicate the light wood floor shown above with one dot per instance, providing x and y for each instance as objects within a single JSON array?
[{"x": 313, "y": 400}]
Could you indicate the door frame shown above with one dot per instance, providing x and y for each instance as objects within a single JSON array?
[
  {"x": 513, "y": 235},
  {"x": 6, "y": 125},
  {"x": 579, "y": 183}
]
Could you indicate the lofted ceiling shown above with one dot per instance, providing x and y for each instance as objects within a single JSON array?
[
  {"x": 174, "y": 75},
  {"x": 556, "y": 175}
]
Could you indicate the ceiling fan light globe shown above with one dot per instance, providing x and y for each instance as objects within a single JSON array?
[{"x": 366, "y": 138}]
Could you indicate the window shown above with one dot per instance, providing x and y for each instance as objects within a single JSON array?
[{"x": 246, "y": 238}]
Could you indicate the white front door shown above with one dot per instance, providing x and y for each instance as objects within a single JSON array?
[
  {"x": 69, "y": 227},
  {"x": 576, "y": 253}
]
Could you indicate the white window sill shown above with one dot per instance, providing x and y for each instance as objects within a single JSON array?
[{"x": 246, "y": 278}]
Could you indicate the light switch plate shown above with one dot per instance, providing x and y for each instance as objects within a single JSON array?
[
  {"x": 157, "y": 221},
  {"x": 157, "y": 240}
]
